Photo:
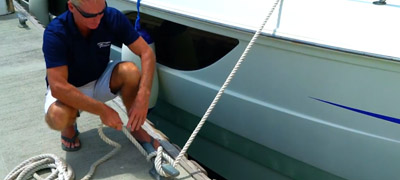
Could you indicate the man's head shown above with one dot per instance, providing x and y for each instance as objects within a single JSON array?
[{"x": 87, "y": 13}]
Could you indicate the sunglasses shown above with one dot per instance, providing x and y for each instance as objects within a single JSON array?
[{"x": 89, "y": 15}]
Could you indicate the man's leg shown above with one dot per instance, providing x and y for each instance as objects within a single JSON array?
[
  {"x": 125, "y": 79},
  {"x": 61, "y": 117}
]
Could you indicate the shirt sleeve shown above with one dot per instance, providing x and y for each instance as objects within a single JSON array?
[
  {"x": 54, "y": 49},
  {"x": 124, "y": 28}
]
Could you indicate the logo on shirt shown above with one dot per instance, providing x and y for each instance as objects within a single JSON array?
[{"x": 104, "y": 44}]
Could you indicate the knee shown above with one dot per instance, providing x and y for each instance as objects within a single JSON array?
[
  {"x": 59, "y": 118},
  {"x": 129, "y": 71}
]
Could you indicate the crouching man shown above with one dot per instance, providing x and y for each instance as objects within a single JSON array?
[{"x": 81, "y": 77}]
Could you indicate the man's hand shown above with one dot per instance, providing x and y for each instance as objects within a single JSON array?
[
  {"x": 138, "y": 113},
  {"x": 111, "y": 118},
  {"x": 138, "y": 110}
]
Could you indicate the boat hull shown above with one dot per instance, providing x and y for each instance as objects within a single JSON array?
[
  {"x": 293, "y": 110},
  {"x": 279, "y": 100}
]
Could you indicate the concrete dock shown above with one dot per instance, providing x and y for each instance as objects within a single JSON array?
[{"x": 24, "y": 133}]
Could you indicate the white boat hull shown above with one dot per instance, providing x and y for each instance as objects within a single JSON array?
[{"x": 329, "y": 108}]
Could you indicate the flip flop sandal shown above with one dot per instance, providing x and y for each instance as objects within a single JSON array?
[{"x": 71, "y": 140}]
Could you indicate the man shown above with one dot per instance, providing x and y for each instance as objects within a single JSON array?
[{"x": 80, "y": 77}]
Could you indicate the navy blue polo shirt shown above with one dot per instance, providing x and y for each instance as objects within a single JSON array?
[{"x": 88, "y": 57}]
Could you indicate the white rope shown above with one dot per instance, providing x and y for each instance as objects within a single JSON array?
[
  {"x": 221, "y": 91},
  {"x": 110, "y": 142},
  {"x": 26, "y": 169},
  {"x": 62, "y": 171},
  {"x": 160, "y": 155}
]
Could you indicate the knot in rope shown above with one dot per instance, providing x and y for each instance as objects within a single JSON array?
[{"x": 160, "y": 156}]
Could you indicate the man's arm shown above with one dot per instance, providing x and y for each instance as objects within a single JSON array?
[
  {"x": 138, "y": 112},
  {"x": 71, "y": 96}
]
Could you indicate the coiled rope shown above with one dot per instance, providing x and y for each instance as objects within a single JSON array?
[
  {"x": 63, "y": 171},
  {"x": 26, "y": 169}
]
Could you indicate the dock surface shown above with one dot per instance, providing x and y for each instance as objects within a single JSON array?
[{"x": 24, "y": 132}]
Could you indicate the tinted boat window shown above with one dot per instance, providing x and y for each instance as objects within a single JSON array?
[{"x": 182, "y": 47}]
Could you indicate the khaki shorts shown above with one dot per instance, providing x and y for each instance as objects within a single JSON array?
[{"x": 98, "y": 89}]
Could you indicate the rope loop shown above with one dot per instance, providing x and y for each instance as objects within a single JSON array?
[
  {"x": 158, "y": 162},
  {"x": 159, "y": 155}
]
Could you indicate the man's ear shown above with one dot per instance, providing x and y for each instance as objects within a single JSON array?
[{"x": 70, "y": 6}]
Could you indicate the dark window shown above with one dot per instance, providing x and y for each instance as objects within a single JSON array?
[
  {"x": 182, "y": 47},
  {"x": 57, "y": 7}
]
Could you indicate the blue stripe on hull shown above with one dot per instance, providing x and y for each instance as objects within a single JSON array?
[{"x": 379, "y": 116}]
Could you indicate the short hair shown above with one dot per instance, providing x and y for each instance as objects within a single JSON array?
[{"x": 77, "y": 2}]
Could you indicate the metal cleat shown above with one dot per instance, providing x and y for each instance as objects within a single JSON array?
[
  {"x": 170, "y": 170},
  {"x": 22, "y": 20}
]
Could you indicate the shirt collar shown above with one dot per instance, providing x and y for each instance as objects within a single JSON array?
[{"x": 71, "y": 23}]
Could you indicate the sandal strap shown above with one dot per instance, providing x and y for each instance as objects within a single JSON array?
[
  {"x": 152, "y": 140},
  {"x": 73, "y": 138},
  {"x": 76, "y": 128}
]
